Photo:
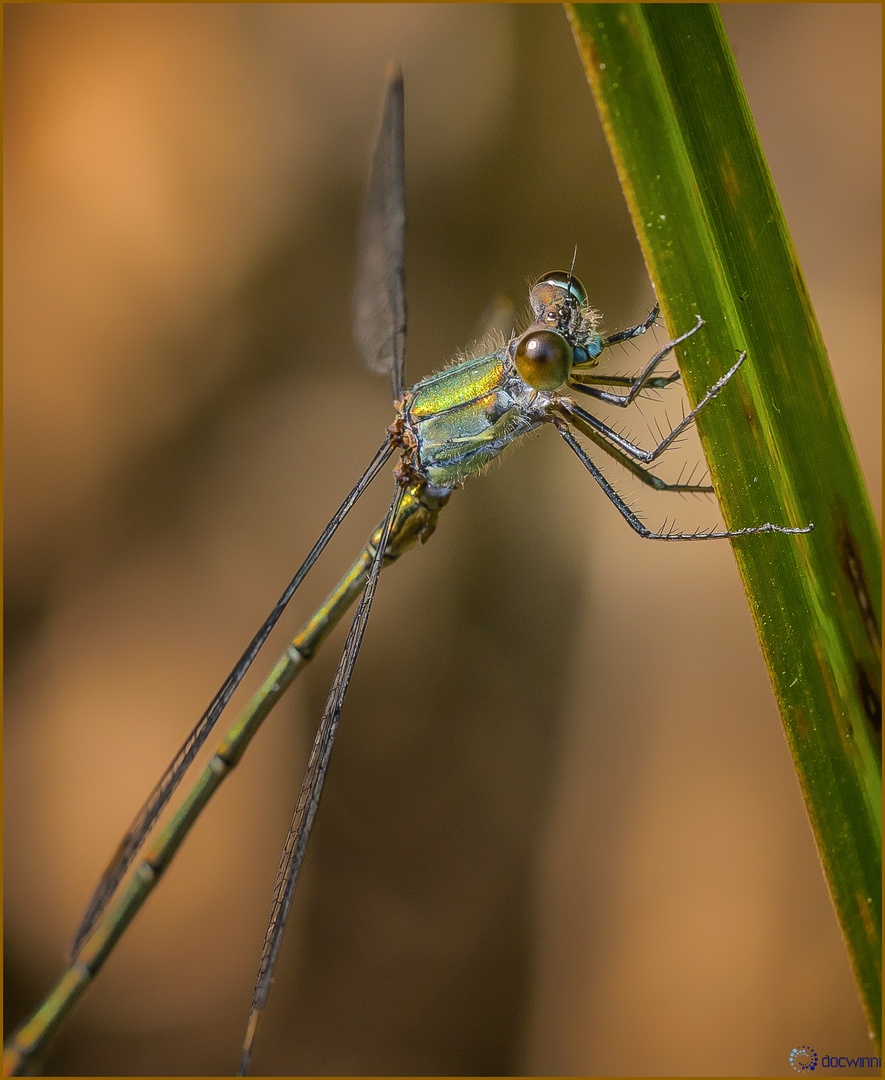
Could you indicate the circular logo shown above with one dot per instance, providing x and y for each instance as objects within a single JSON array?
[{"x": 803, "y": 1059}]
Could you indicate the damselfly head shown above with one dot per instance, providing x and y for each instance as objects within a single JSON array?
[{"x": 563, "y": 334}]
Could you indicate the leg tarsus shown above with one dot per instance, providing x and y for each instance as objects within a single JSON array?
[
  {"x": 634, "y": 331},
  {"x": 643, "y": 530}
]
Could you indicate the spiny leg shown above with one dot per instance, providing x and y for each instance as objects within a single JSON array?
[
  {"x": 312, "y": 785},
  {"x": 643, "y": 474},
  {"x": 660, "y": 382},
  {"x": 578, "y": 416},
  {"x": 647, "y": 534},
  {"x": 641, "y": 380},
  {"x": 634, "y": 331}
]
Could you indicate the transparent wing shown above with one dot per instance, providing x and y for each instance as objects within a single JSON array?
[{"x": 379, "y": 298}]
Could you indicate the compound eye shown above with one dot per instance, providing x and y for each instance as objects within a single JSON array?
[
  {"x": 543, "y": 359},
  {"x": 563, "y": 280}
]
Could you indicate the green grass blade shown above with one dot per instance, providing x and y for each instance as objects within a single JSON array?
[{"x": 716, "y": 244}]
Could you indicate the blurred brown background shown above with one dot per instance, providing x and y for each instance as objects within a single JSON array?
[{"x": 561, "y": 832}]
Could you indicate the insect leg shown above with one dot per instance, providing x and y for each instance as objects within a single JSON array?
[
  {"x": 634, "y": 522},
  {"x": 641, "y": 380},
  {"x": 635, "y": 331},
  {"x": 639, "y": 471},
  {"x": 660, "y": 382},
  {"x": 574, "y": 413}
]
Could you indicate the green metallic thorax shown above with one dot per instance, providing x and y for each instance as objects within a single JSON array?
[{"x": 461, "y": 418}]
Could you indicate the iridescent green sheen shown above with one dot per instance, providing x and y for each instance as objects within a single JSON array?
[
  {"x": 458, "y": 385},
  {"x": 465, "y": 416}
]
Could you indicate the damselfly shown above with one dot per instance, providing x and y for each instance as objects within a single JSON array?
[{"x": 446, "y": 428}]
